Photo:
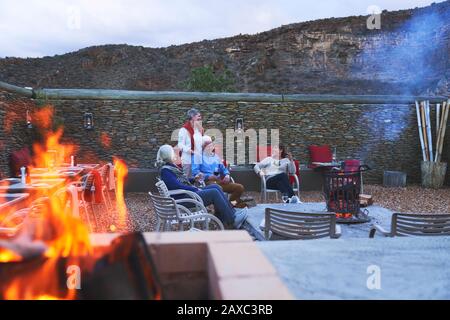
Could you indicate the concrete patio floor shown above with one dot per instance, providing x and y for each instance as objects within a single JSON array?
[{"x": 410, "y": 268}]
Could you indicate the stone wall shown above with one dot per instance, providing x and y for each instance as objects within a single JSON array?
[
  {"x": 385, "y": 137},
  {"x": 13, "y": 133}
]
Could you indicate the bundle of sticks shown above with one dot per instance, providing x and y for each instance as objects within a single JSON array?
[{"x": 425, "y": 130}]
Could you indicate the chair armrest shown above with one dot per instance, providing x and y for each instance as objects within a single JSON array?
[
  {"x": 22, "y": 213},
  {"x": 297, "y": 181},
  {"x": 191, "y": 194},
  {"x": 8, "y": 231},
  {"x": 190, "y": 216},
  {"x": 263, "y": 180},
  {"x": 197, "y": 203},
  {"x": 375, "y": 227},
  {"x": 337, "y": 233}
]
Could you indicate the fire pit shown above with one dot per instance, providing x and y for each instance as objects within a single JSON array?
[{"x": 341, "y": 189}]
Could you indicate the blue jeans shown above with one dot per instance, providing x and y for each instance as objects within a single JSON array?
[
  {"x": 214, "y": 195},
  {"x": 280, "y": 182}
]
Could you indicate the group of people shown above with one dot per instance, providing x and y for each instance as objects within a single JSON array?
[{"x": 202, "y": 171}]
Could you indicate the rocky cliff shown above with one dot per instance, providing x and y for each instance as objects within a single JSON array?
[{"x": 409, "y": 54}]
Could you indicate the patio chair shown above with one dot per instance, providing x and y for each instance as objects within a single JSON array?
[
  {"x": 265, "y": 190},
  {"x": 68, "y": 197},
  {"x": 86, "y": 184},
  {"x": 407, "y": 224},
  {"x": 12, "y": 222},
  {"x": 105, "y": 175},
  {"x": 165, "y": 192},
  {"x": 171, "y": 213},
  {"x": 300, "y": 225}
]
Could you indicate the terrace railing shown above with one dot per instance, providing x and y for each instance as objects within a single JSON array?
[{"x": 107, "y": 94}]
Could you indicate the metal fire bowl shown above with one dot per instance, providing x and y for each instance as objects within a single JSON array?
[{"x": 361, "y": 217}]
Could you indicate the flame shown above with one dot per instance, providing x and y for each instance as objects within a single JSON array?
[
  {"x": 8, "y": 256},
  {"x": 105, "y": 140},
  {"x": 121, "y": 172},
  {"x": 63, "y": 237}
]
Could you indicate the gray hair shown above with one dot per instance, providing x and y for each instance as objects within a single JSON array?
[
  {"x": 191, "y": 113},
  {"x": 165, "y": 154}
]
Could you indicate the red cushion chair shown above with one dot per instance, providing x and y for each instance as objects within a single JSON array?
[
  {"x": 319, "y": 154},
  {"x": 260, "y": 153},
  {"x": 18, "y": 159},
  {"x": 297, "y": 172},
  {"x": 351, "y": 165}
]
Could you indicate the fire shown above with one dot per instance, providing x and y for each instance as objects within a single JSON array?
[
  {"x": 121, "y": 171},
  {"x": 63, "y": 238},
  {"x": 61, "y": 235},
  {"x": 105, "y": 140}
]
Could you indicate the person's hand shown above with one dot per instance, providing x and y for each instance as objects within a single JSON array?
[
  {"x": 213, "y": 178},
  {"x": 261, "y": 174},
  {"x": 226, "y": 179},
  {"x": 198, "y": 177},
  {"x": 289, "y": 156}
]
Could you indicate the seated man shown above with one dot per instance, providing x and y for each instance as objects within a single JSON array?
[
  {"x": 274, "y": 168},
  {"x": 175, "y": 178},
  {"x": 215, "y": 172}
]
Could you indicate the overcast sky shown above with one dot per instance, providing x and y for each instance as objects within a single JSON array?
[{"x": 35, "y": 28}]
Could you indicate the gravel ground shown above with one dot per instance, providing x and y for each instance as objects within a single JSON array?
[{"x": 411, "y": 199}]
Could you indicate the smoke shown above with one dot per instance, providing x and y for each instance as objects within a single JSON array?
[
  {"x": 408, "y": 60},
  {"x": 412, "y": 58}
]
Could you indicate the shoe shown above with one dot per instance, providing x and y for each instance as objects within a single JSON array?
[
  {"x": 294, "y": 199},
  {"x": 240, "y": 217}
]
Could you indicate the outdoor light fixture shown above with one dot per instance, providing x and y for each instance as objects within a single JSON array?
[
  {"x": 239, "y": 124},
  {"x": 29, "y": 123},
  {"x": 88, "y": 121}
]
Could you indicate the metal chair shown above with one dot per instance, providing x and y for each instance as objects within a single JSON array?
[
  {"x": 9, "y": 225},
  {"x": 86, "y": 184},
  {"x": 171, "y": 213},
  {"x": 68, "y": 197},
  {"x": 300, "y": 225},
  {"x": 407, "y": 224},
  {"x": 165, "y": 192},
  {"x": 104, "y": 173},
  {"x": 265, "y": 190}
]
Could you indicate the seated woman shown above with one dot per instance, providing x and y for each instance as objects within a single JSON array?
[
  {"x": 175, "y": 178},
  {"x": 274, "y": 168},
  {"x": 216, "y": 173}
]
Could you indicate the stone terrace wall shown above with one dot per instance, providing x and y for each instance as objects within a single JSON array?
[
  {"x": 13, "y": 132},
  {"x": 385, "y": 137}
]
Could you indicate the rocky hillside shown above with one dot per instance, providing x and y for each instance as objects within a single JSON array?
[{"x": 410, "y": 54}]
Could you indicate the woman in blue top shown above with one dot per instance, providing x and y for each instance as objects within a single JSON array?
[
  {"x": 175, "y": 178},
  {"x": 215, "y": 172}
]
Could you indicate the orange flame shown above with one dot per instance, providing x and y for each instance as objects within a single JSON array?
[
  {"x": 121, "y": 172},
  {"x": 105, "y": 140},
  {"x": 61, "y": 235},
  {"x": 50, "y": 225}
]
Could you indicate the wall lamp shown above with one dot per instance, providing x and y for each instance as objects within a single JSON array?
[{"x": 88, "y": 119}]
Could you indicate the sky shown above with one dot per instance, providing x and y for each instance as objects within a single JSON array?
[{"x": 35, "y": 28}]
